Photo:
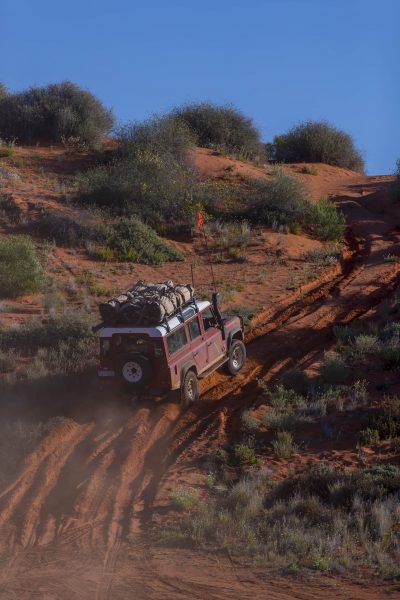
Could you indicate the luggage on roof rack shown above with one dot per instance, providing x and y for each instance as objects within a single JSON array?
[{"x": 146, "y": 304}]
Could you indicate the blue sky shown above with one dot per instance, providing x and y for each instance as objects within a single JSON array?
[{"x": 280, "y": 61}]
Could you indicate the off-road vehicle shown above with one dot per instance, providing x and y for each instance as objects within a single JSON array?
[{"x": 188, "y": 343}]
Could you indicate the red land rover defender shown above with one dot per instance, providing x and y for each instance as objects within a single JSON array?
[{"x": 187, "y": 346}]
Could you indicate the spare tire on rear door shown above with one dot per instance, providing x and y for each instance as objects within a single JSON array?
[{"x": 134, "y": 370}]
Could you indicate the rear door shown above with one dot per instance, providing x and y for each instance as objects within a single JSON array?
[
  {"x": 197, "y": 344},
  {"x": 215, "y": 345}
]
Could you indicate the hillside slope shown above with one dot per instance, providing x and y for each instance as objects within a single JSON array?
[{"x": 76, "y": 516}]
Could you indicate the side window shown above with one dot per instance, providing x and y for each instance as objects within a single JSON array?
[
  {"x": 176, "y": 340},
  {"x": 208, "y": 319},
  {"x": 194, "y": 328}
]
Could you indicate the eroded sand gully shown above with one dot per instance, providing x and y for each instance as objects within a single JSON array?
[{"x": 93, "y": 482}]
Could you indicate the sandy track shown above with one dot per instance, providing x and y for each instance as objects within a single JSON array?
[{"x": 90, "y": 485}]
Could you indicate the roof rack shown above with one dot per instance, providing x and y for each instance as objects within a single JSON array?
[{"x": 179, "y": 313}]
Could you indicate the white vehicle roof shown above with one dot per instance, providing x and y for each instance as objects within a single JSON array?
[{"x": 156, "y": 331}]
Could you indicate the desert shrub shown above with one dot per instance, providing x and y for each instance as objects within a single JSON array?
[
  {"x": 397, "y": 181},
  {"x": 71, "y": 231},
  {"x": 10, "y": 211},
  {"x": 324, "y": 257},
  {"x": 322, "y": 519},
  {"x": 358, "y": 393},
  {"x": 368, "y": 436},
  {"x": 249, "y": 422},
  {"x": 140, "y": 182},
  {"x": 52, "y": 112},
  {"x": 8, "y": 360},
  {"x": 283, "y": 199},
  {"x": 228, "y": 235},
  {"x": 223, "y": 128},
  {"x": 387, "y": 419},
  {"x": 283, "y": 399},
  {"x": 364, "y": 344},
  {"x": 389, "y": 354},
  {"x": 391, "y": 258},
  {"x": 347, "y": 333},
  {"x": 282, "y": 421},
  {"x": 158, "y": 135},
  {"x": 283, "y": 444},
  {"x": 245, "y": 312},
  {"x": 183, "y": 499},
  {"x": 318, "y": 141},
  {"x": 3, "y": 90},
  {"x": 282, "y": 202},
  {"x": 6, "y": 148},
  {"x": 340, "y": 488},
  {"x": 310, "y": 170},
  {"x": 132, "y": 240},
  {"x": 326, "y": 221},
  {"x": 333, "y": 370},
  {"x": 64, "y": 344},
  {"x": 297, "y": 381},
  {"x": 244, "y": 454},
  {"x": 20, "y": 269},
  {"x": 32, "y": 335}
]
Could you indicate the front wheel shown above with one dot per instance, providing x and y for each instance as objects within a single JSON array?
[
  {"x": 237, "y": 357},
  {"x": 189, "y": 389}
]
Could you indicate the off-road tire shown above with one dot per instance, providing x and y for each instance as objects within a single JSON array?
[
  {"x": 134, "y": 371},
  {"x": 237, "y": 357},
  {"x": 189, "y": 389}
]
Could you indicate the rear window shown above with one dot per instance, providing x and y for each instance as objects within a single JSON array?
[{"x": 176, "y": 340}]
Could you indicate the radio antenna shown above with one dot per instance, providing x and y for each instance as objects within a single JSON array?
[{"x": 200, "y": 227}]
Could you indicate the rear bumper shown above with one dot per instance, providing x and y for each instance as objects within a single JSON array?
[{"x": 105, "y": 373}]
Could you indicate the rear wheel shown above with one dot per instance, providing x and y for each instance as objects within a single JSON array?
[
  {"x": 237, "y": 357},
  {"x": 134, "y": 371},
  {"x": 189, "y": 389}
]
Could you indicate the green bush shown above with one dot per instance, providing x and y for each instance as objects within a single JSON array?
[
  {"x": 10, "y": 212},
  {"x": 318, "y": 141},
  {"x": 324, "y": 257},
  {"x": 326, "y": 222},
  {"x": 32, "y": 335},
  {"x": 296, "y": 380},
  {"x": 282, "y": 199},
  {"x": 8, "y": 360},
  {"x": 249, "y": 422},
  {"x": 283, "y": 444},
  {"x": 53, "y": 112},
  {"x": 322, "y": 519},
  {"x": 387, "y": 420},
  {"x": 6, "y": 149},
  {"x": 144, "y": 179},
  {"x": 333, "y": 370},
  {"x": 159, "y": 135},
  {"x": 368, "y": 436},
  {"x": 20, "y": 269},
  {"x": 183, "y": 499},
  {"x": 397, "y": 181},
  {"x": 3, "y": 90},
  {"x": 64, "y": 344},
  {"x": 283, "y": 399},
  {"x": 245, "y": 312},
  {"x": 389, "y": 355},
  {"x": 223, "y": 128},
  {"x": 244, "y": 454},
  {"x": 310, "y": 170},
  {"x": 132, "y": 240}
]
